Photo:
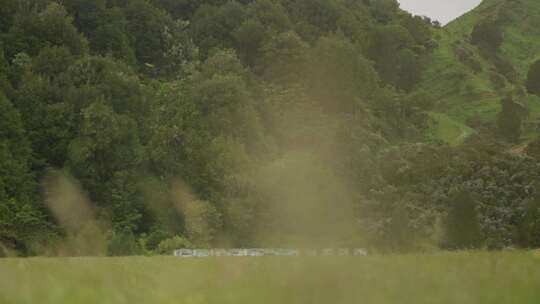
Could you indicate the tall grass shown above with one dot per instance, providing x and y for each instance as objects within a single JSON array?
[{"x": 462, "y": 278}]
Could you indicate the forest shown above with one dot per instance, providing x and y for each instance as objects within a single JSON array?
[{"x": 131, "y": 127}]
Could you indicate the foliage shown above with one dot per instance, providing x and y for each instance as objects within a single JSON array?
[
  {"x": 462, "y": 225},
  {"x": 176, "y": 242},
  {"x": 123, "y": 244},
  {"x": 202, "y": 222},
  {"x": 510, "y": 120},
  {"x": 21, "y": 220},
  {"x": 202, "y": 123},
  {"x": 51, "y": 26},
  {"x": 487, "y": 35},
  {"x": 529, "y": 224},
  {"x": 533, "y": 78}
]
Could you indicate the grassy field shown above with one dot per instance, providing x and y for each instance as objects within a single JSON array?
[
  {"x": 462, "y": 93},
  {"x": 440, "y": 278},
  {"x": 448, "y": 130}
]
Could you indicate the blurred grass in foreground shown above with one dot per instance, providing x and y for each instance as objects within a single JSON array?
[{"x": 443, "y": 278}]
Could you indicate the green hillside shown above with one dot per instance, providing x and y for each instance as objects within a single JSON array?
[
  {"x": 143, "y": 126},
  {"x": 466, "y": 84}
]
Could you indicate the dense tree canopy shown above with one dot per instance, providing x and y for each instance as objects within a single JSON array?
[
  {"x": 241, "y": 123},
  {"x": 488, "y": 35},
  {"x": 533, "y": 78}
]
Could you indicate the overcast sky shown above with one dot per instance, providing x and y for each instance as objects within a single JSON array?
[{"x": 442, "y": 10}]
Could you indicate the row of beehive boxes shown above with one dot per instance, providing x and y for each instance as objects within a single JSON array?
[{"x": 256, "y": 252}]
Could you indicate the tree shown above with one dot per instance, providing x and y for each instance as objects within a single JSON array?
[
  {"x": 387, "y": 47},
  {"x": 510, "y": 119},
  {"x": 338, "y": 74},
  {"x": 409, "y": 70},
  {"x": 202, "y": 222},
  {"x": 419, "y": 29},
  {"x": 271, "y": 14},
  {"x": 52, "y": 61},
  {"x": 86, "y": 13},
  {"x": 205, "y": 128},
  {"x": 533, "y": 148},
  {"x": 95, "y": 77},
  {"x": 16, "y": 150},
  {"x": 529, "y": 224},
  {"x": 7, "y": 11},
  {"x": 222, "y": 94},
  {"x": 398, "y": 236},
  {"x": 384, "y": 10},
  {"x": 105, "y": 157},
  {"x": 123, "y": 243},
  {"x": 125, "y": 198},
  {"x": 51, "y": 26},
  {"x": 108, "y": 143},
  {"x": 303, "y": 202},
  {"x": 316, "y": 98},
  {"x": 214, "y": 26},
  {"x": 111, "y": 36},
  {"x": 283, "y": 58},
  {"x": 487, "y": 35},
  {"x": 249, "y": 38},
  {"x": 183, "y": 9},
  {"x": 266, "y": 19},
  {"x": 314, "y": 18},
  {"x": 147, "y": 27},
  {"x": 533, "y": 78},
  {"x": 5, "y": 85},
  {"x": 176, "y": 128},
  {"x": 169, "y": 245},
  {"x": 48, "y": 117},
  {"x": 161, "y": 44},
  {"x": 21, "y": 220},
  {"x": 462, "y": 224}
]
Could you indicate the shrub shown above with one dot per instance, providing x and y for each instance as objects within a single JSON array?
[
  {"x": 467, "y": 58},
  {"x": 154, "y": 238},
  {"x": 498, "y": 80},
  {"x": 533, "y": 149},
  {"x": 487, "y": 35},
  {"x": 176, "y": 242},
  {"x": 124, "y": 244},
  {"x": 529, "y": 225},
  {"x": 509, "y": 121},
  {"x": 505, "y": 68},
  {"x": 462, "y": 225},
  {"x": 533, "y": 78}
]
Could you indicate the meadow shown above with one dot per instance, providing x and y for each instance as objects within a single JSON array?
[{"x": 467, "y": 277}]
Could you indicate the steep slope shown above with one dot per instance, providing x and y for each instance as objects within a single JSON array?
[{"x": 467, "y": 83}]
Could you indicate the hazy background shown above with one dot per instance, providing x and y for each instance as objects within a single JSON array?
[{"x": 442, "y": 10}]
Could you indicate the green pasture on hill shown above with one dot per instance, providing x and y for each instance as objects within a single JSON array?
[
  {"x": 475, "y": 278},
  {"x": 462, "y": 93},
  {"x": 448, "y": 130}
]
